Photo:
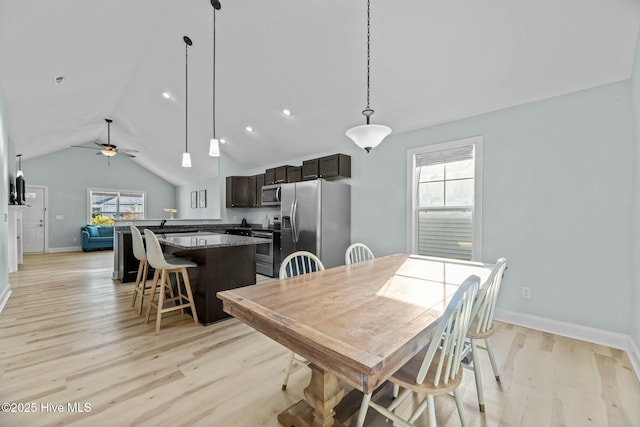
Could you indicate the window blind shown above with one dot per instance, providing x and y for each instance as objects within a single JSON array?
[{"x": 444, "y": 156}]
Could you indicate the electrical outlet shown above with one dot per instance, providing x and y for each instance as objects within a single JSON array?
[{"x": 526, "y": 292}]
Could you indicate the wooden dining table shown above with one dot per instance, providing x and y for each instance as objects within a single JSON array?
[{"x": 359, "y": 323}]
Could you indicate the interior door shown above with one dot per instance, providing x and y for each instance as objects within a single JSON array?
[{"x": 34, "y": 226}]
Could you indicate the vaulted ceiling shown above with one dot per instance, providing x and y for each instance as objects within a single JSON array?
[{"x": 431, "y": 62}]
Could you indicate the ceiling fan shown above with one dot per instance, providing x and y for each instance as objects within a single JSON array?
[{"x": 109, "y": 150}]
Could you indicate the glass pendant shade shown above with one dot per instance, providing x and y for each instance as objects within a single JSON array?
[
  {"x": 186, "y": 160},
  {"x": 19, "y": 173},
  {"x": 109, "y": 153},
  {"x": 214, "y": 148},
  {"x": 368, "y": 136}
]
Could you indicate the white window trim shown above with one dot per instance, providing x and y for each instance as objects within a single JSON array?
[
  {"x": 114, "y": 190},
  {"x": 412, "y": 193}
]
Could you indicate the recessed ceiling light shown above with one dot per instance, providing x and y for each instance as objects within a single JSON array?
[
  {"x": 166, "y": 95},
  {"x": 59, "y": 80},
  {"x": 286, "y": 112},
  {"x": 249, "y": 129}
]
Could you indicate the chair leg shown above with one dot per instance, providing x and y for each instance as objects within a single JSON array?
[
  {"x": 463, "y": 416},
  {"x": 187, "y": 286},
  {"x": 180, "y": 296},
  {"x": 163, "y": 282},
  {"x": 152, "y": 295},
  {"x": 143, "y": 289},
  {"x": 364, "y": 407},
  {"x": 431, "y": 407},
  {"x": 287, "y": 371},
  {"x": 136, "y": 287},
  {"x": 477, "y": 374},
  {"x": 492, "y": 358}
]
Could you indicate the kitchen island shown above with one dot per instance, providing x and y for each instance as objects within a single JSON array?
[{"x": 224, "y": 262}]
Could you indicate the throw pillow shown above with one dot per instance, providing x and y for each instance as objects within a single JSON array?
[{"x": 93, "y": 231}]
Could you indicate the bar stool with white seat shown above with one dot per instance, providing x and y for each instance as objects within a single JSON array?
[
  {"x": 165, "y": 267},
  {"x": 140, "y": 288},
  {"x": 295, "y": 264}
]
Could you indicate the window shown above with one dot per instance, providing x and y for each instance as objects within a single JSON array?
[
  {"x": 444, "y": 199},
  {"x": 108, "y": 205}
]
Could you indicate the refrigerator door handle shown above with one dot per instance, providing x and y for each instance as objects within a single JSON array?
[{"x": 294, "y": 220}]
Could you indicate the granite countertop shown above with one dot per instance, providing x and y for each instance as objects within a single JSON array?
[{"x": 206, "y": 240}]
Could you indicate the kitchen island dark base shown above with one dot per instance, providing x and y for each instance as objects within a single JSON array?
[{"x": 219, "y": 269}]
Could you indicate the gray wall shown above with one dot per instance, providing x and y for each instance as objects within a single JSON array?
[
  {"x": 4, "y": 196},
  {"x": 68, "y": 174},
  {"x": 635, "y": 297},
  {"x": 557, "y": 190},
  {"x": 557, "y": 195}
]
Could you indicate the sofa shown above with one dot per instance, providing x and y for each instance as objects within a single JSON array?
[{"x": 96, "y": 237}]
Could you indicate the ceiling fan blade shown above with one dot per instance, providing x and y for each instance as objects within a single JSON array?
[
  {"x": 128, "y": 155},
  {"x": 99, "y": 144},
  {"x": 84, "y": 146},
  {"x": 128, "y": 150}
]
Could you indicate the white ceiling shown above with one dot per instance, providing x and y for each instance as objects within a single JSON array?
[{"x": 432, "y": 62}]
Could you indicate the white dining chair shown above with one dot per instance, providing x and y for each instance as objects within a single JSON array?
[
  {"x": 482, "y": 327},
  {"x": 436, "y": 369},
  {"x": 141, "y": 286},
  {"x": 165, "y": 266},
  {"x": 357, "y": 252},
  {"x": 295, "y": 264}
]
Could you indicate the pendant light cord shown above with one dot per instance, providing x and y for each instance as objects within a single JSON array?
[
  {"x": 368, "y": 50},
  {"x": 214, "y": 73},
  {"x": 186, "y": 97},
  {"x": 368, "y": 111}
]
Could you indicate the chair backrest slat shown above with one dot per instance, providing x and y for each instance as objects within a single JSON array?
[
  {"x": 485, "y": 305},
  {"x": 357, "y": 252},
  {"x": 450, "y": 334},
  {"x": 301, "y": 262}
]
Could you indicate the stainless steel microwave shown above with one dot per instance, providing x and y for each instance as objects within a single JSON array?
[{"x": 271, "y": 195}]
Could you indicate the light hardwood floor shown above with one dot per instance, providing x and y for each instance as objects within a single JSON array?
[{"x": 68, "y": 335}]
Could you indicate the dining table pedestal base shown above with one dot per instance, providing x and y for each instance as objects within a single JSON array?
[{"x": 326, "y": 403}]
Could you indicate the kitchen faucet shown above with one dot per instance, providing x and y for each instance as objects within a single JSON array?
[{"x": 162, "y": 223}]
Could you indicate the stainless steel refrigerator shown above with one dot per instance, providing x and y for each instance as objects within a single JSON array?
[{"x": 316, "y": 217}]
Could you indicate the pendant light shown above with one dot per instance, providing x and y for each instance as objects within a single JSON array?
[
  {"x": 214, "y": 145},
  {"x": 19, "y": 173},
  {"x": 368, "y": 136},
  {"x": 186, "y": 157}
]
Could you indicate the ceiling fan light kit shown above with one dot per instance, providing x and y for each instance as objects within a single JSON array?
[
  {"x": 369, "y": 135},
  {"x": 109, "y": 150}
]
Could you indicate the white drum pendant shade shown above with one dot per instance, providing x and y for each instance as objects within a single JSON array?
[
  {"x": 186, "y": 160},
  {"x": 214, "y": 148}
]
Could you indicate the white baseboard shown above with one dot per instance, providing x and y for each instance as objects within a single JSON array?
[
  {"x": 585, "y": 333},
  {"x": 5, "y": 297},
  {"x": 67, "y": 249}
]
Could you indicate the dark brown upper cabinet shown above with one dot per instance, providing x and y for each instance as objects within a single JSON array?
[
  {"x": 328, "y": 167},
  {"x": 270, "y": 176},
  {"x": 281, "y": 174},
  {"x": 294, "y": 173},
  {"x": 255, "y": 184},
  {"x": 237, "y": 191}
]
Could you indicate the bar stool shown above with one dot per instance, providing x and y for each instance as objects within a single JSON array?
[
  {"x": 140, "y": 287},
  {"x": 165, "y": 267}
]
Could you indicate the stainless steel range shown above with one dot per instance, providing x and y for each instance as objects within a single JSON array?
[{"x": 264, "y": 252}]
